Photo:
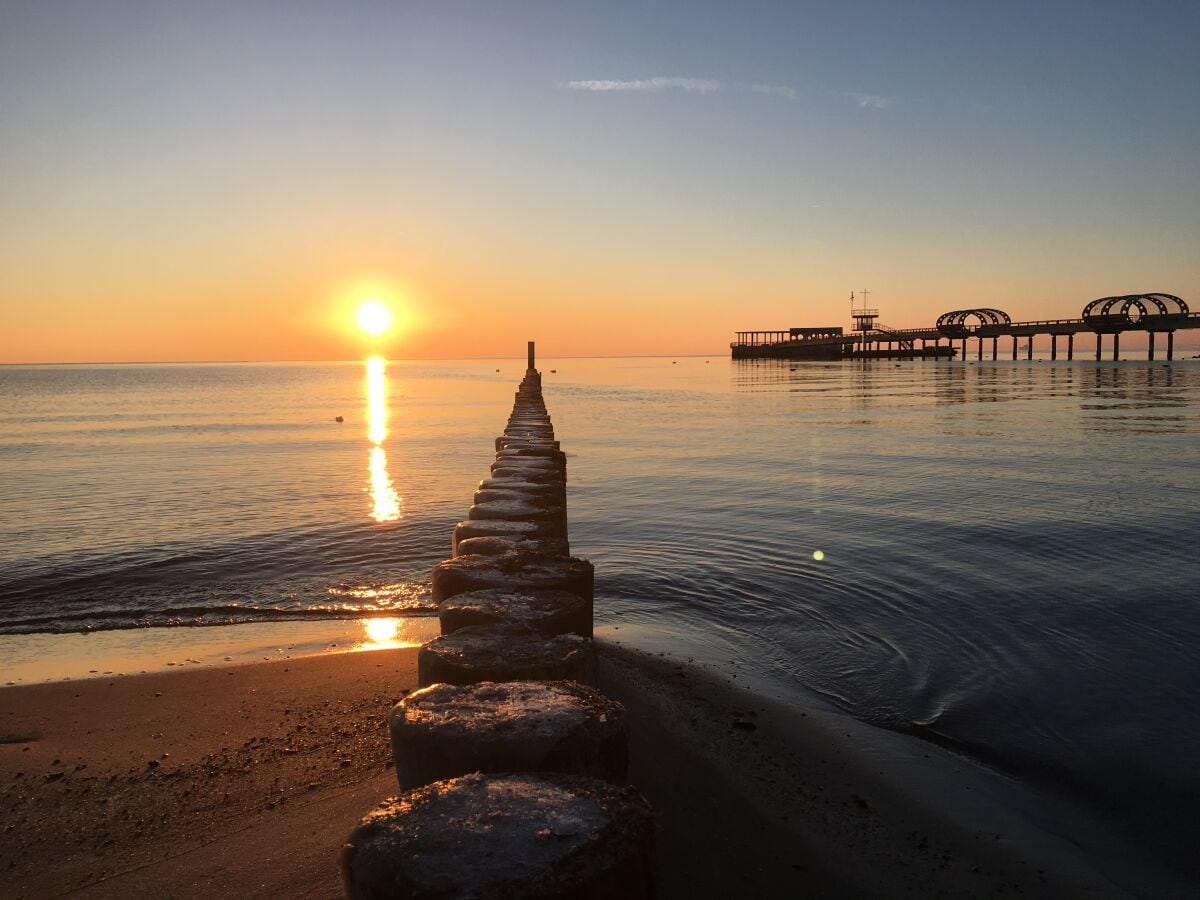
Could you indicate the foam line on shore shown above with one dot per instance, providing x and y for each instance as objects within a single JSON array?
[{"x": 38, "y": 658}]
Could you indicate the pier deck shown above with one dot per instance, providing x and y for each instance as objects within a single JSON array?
[{"x": 1151, "y": 314}]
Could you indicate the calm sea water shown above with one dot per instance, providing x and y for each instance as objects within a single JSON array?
[{"x": 999, "y": 557}]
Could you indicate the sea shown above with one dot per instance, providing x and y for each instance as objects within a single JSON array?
[{"x": 998, "y": 558}]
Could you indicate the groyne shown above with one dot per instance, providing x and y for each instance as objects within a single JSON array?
[{"x": 510, "y": 762}]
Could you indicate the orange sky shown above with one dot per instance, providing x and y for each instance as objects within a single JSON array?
[
  {"x": 190, "y": 186},
  {"x": 306, "y": 310}
]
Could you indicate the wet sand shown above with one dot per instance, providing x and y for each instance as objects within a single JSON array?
[{"x": 242, "y": 781}]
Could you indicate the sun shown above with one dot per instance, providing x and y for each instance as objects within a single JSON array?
[{"x": 374, "y": 317}]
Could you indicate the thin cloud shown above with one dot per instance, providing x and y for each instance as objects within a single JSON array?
[
  {"x": 712, "y": 86},
  {"x": 694, "y": 85},
  {"x": 869, "y": 101},
  {"x": 775, "y": 90}
]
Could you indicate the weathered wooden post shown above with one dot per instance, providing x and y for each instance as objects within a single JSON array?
[{"x": 505, "y": 691}]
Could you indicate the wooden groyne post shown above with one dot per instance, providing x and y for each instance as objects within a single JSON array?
[{"x": 507, "y": 728}]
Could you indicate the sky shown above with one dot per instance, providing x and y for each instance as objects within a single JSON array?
[{"x": 226, "y": 181}]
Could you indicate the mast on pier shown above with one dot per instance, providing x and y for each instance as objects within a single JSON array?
[{"x": 864, "y": 318}]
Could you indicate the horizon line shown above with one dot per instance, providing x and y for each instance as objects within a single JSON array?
[{"x": 240, "y": 362}]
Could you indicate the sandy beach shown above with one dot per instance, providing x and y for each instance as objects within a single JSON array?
[{"x": 244, "y": 780}]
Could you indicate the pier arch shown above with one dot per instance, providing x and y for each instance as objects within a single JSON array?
[
  {"x": 957, "y": 323},
  {"x": 1149, "y": 312}
]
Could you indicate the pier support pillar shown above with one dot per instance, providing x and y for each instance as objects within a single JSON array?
[
  {"x": 995, "y": 348},
  {"x": 1014, "y": 346},
  {"x": 980, "y": 350},
  {"x": 1054, "y": 346},
  {"x": 1170, "y": 344},
  {"x": 1070, "y": 346},
  {"x": 1117, "y": 346},
  {"x": 964, "y": 348},
  {"x": 1029, "y": 348},
  {"x": 1099, "y": 343},
  {"x": 1150, "y": 347}
]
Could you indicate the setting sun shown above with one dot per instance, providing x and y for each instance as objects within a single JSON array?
[{"x": 374, "y": 317}]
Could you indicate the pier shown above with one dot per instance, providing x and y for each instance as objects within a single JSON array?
[
  {"x": 959, "y": 332},
  {"x": 508, "y": 727}
]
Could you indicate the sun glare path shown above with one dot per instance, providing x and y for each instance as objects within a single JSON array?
[
  {"x": 382, "y": 630},
  {"x": 376, "y": 400},
  {"x": 385, "y": 502},
  {"x": 384, "y": 633},
  {"x": 374, "y": 317}
]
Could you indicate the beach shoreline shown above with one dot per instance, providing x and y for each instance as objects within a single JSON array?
[
  {"x": 48, "y": 657},
  {"x": 245, "y": 779}
]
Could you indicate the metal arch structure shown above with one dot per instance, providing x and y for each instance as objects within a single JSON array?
[
  {"x": 954, "y": 324},
  {"x": 1145, "y": 312}
]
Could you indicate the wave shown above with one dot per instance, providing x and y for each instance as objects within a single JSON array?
[{"x": 323, "y": 571}]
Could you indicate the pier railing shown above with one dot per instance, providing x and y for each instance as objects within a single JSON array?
[{"x": 958, "y": 330}]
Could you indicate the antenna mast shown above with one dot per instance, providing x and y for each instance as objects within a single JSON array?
[{"x": 864, "y": 318}]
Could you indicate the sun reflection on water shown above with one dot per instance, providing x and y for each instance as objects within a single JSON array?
[
  {"x": 385, "y": 633},
  {"x": 385, "y": 502}
]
